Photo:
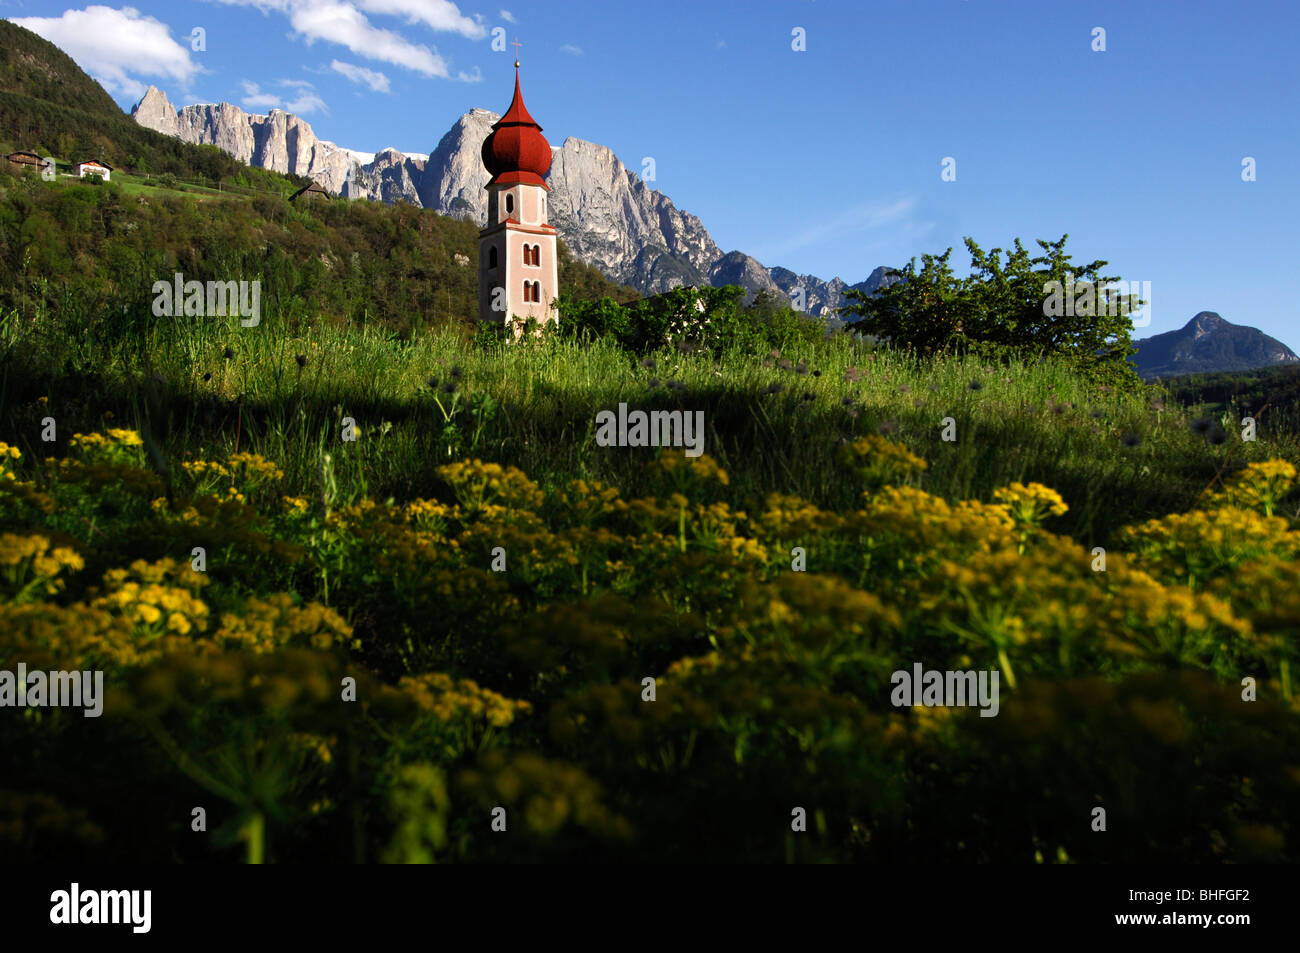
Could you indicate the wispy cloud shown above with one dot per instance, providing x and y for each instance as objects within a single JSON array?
[
  {"x": 304, "y": 103},
  {"x": 508, "y": 16},
  {"x": 441, "y": 16},
  {"x": 117, "y": 46},
  {"x": 861, "y": 218},
  {"x": 257, "y": 100},
  {"x": 571, "y": 49},
  {"x": 344, "y": 22},
  {"x": 377, "y": 81}
]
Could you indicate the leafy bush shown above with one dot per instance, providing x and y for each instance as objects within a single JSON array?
[{"x": 1017, "y": 308}]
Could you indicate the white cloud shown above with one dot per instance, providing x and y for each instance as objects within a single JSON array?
[
  {"x": 116, "y": 46},
  {"x": 474, "y": 77},
  {"x": 571, "y": 49},
  {"x": 508, "y": 16},
  {"x": 261, "y": 104},
  {"x": 257, "y": 100},
  {"x": 441, "y": 16},
  {"x": 344, "y": 22},
  {"x": 305, "y": 103},
  {"x": 377, "y": 81}
]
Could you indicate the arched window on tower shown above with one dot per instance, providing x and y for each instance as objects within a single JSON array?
[
  {"x": 510, "y": 203},
  {"x": 492, "y": 257}
]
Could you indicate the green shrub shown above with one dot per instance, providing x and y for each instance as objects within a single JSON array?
[{"x": 1006, "y": 310}]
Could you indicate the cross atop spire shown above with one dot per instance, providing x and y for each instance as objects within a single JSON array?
[{"x": 516, "y": 44}]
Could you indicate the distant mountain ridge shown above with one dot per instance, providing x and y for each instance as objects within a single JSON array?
[
  {"x": 1209, "y": 343},
  {"x": 606, "y": 214}
]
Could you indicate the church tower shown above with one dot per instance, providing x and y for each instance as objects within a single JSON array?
[{"x": 517, "y": 268}]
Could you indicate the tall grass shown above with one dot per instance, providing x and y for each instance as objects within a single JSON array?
[{"x": 775, "y": 422}]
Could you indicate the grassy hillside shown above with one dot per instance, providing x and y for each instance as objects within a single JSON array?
[
  {"x": 777, "y": 424},
  {"x": 97, "y": 250}
]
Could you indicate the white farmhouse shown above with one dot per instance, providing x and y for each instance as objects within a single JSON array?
[{"x": 91, "y": 167}]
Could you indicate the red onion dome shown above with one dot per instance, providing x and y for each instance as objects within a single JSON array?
[{"x": 516, "y": 150}]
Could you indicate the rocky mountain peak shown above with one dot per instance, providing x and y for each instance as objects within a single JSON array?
[
  {"x": 737, "y": 268},
  {"x": 154, "y": 111},
  {"x": 1206, "y": 322},
  {"x": 1209, "y": 343}
]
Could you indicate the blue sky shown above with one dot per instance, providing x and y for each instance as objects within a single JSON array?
[{"x": 825, "y": 160}]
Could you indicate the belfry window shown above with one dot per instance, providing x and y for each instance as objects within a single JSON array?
[
  {"x": 492, "y": 257},
  {"x": 510, "y": 203}
]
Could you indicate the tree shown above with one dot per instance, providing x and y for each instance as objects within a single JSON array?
[{"x": 1022, "y": 307}]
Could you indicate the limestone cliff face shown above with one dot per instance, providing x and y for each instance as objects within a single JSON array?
[
  {"x": 609, "y": 217},
  {"x": 604, "y": 212},
  {"x": 455, "y": 179},
  {"x": 154, "y": 111},
  {"x": 278, "y": 141},
  {"x": 390, "y": 177}
]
